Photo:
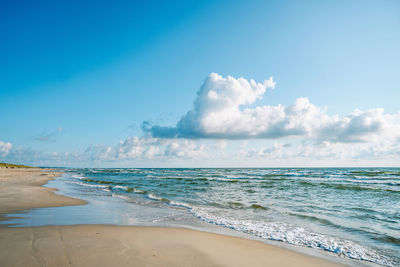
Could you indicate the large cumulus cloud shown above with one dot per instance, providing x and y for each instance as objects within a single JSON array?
[{"x": 222, "y": 111}]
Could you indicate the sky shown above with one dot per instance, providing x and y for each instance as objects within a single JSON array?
[{"x": 200, "y": 83}]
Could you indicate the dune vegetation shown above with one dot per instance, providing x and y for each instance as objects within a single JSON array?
[{"x": 10, "y": 165}]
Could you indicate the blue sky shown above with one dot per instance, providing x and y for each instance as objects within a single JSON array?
[{"x": 79, "y": 79}]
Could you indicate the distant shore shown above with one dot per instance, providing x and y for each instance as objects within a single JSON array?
[{"x": 109, "y": 245}]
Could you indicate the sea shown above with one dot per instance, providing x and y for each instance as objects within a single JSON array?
[{"x": 353, "y": 213}]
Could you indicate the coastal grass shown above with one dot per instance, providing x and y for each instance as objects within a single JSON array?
[{"x": 10, "y": 165}]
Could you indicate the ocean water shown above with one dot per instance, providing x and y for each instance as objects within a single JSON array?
[{"x": 351, "y": 212}]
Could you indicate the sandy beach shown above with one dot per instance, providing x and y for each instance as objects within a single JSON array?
[
  {"x": 109, "y": 245},
  {"x": 21, "y": 189}
]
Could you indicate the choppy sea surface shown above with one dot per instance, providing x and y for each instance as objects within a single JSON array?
[{"x": 352, "y": 212}]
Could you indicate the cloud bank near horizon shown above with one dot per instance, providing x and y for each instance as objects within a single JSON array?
[
  {"x": 158, "y": 152},
  {"x": 222, "y": 111}
]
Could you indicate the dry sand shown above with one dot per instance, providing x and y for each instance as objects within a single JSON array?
[{"x": 108, "y": 245}]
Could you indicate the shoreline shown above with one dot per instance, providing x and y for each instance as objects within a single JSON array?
[
  {"x": 105, "y": 245},
  {"x": 22, "y": 189}
]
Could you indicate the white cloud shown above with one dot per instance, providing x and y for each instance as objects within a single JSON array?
[
  {"x": 361, "y": 126},
  {"x": 321, "y": 154},
  {"x": 216, "y": 103},
  {"x": 99, "y": 152},
  {"x": 221, "y": 111},
  {"x": 135, "y": 147},
  {"x": 145, "y": 148},
  {"x": 220, "y": 144},
  {"x": 5, "y": 148},
  {"x": 184, "y": 149}
]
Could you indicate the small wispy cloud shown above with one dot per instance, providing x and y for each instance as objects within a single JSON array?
[
  {"x": 5, "y": 148},
  {"x": 49, "y": 137}
]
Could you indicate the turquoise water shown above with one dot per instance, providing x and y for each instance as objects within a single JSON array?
[{"x": 354, "y": 213}]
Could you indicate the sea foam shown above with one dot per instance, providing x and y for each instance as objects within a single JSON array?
[{"x": 294, "y": 235}]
